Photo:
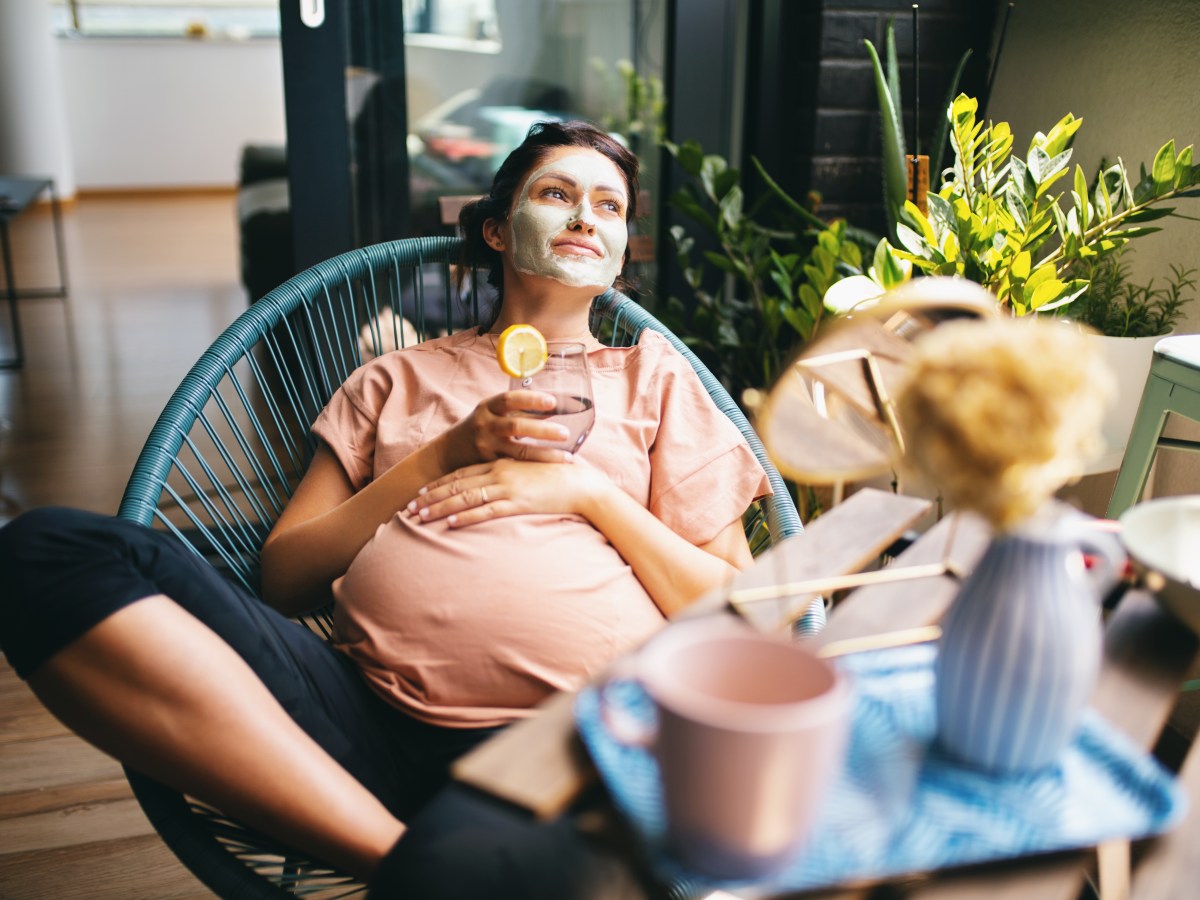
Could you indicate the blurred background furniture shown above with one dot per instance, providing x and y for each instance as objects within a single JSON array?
[
  {"x": 233, "y": 442},
  {"x": 17, "y": 195},
  {"x": 1173, "y": 386},
  {"x": 264, "y": 222}
]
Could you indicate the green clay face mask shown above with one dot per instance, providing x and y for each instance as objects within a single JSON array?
[{"x": 569, "y": 224}]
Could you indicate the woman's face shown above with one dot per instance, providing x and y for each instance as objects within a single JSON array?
[{"x": 569, "y": 220}]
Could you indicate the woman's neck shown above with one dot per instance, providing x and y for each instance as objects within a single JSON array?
[{"x": 558, "y": 312}]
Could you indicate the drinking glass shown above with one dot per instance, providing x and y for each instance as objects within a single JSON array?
[{"x": 567, "y": 377}]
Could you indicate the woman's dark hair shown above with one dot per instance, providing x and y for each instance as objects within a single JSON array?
[{"x": 542, "y": 138}]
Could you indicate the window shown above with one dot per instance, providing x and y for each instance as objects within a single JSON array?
[
  {"x": 458, "y": 20},
  {"x": 468, "y": 20},
  {"x": 231, "y": 19}
]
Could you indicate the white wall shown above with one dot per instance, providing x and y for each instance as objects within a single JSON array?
[
  {"x": 168, "y": 113},
  {"x": 33, "y": 120},
  {"x": 1128, "y": 70}
]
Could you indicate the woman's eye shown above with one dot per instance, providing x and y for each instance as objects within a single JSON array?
[{"x": 554, "y": 193}]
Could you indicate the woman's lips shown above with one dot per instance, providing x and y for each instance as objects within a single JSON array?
[{"x": 577, "y": 247}]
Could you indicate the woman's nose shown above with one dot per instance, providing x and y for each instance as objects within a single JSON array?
[{"x": 582, "y": 220}]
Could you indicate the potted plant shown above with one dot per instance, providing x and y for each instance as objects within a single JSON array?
[
  {"x": 1129, "y": 319},
  {"x": 997, "y": 221},
  {"x": 758, "y": 274}
]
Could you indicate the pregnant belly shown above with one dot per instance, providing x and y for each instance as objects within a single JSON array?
[{"x": 474, "y": 626}]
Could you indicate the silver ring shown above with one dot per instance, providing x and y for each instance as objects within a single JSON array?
[{"x": 483, "y": 494}]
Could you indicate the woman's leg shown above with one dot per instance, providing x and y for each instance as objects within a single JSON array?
[
  {"x": 157, "y": 689},
  {"x": 151, "y": 683}
]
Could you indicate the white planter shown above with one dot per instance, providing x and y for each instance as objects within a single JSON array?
[{"x": 1129, "y": 360}]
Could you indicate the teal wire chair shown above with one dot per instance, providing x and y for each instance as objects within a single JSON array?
[{"x": 233, "y": 442}]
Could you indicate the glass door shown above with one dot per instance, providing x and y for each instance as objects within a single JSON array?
[{"x": 432, "y": 94}]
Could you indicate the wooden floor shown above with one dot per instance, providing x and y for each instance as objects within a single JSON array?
[{"x": 152, "y": 282}]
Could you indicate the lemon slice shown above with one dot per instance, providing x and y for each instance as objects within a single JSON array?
[{"x": 521, "y": 351}]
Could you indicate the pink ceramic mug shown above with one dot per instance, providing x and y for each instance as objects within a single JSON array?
[{"x": 751, "y": 732}]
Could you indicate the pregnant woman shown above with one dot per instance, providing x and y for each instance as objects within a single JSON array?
[{"x": 474, "y": 571}]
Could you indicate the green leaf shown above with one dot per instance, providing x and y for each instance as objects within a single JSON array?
[
  {"x": 800, "y": 319},
  {"x": 1073, "y": 226},
  {"x": 727, "y": 335},
  {"x": 893, "y": 67},
  {"x": 1149, "y": 214},
  {"x": 1060, "y": 220},
  {"x": 687, "y": 204},
  {"x": 731, "y": 207},
  {"x": 1061, "y": 136},
  {"x": 1107, "y": 195},
  {"x": 1183, "y": 167},
  {"x": 724, "y": 181},
  {"x": 824, "y": 260},
  {"x": 829, "y": 241},
  {"x": 809, "y": 297},
  {"x": 1040, "y": 274},
  {"x": 895, "y": 174},
  {"x": 1081, "y": 190},
  {"x": 912, "y": 242},
  {"x": 805, "y": 214},
  {"x": 1016, "y": 206},
  {"x": 888, "y": 269},
  {"x": 691, "y": 157},
  {"x": 1021, "y": 264},
  {"x": 1128, "y": 233},
  {"x": 942, "y": 219},
  {"x": 1046, "y": 292},
  {"x": 1047, "y": 169},
  {"x": 1163, "y": 171},
  {"x": 722, "y": 262},
  {"x": 1072, "y": 290}
]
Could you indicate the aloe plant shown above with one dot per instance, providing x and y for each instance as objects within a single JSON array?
[
  {"x": 997, "y": 221},
  {"x": 891, "y": 117}
]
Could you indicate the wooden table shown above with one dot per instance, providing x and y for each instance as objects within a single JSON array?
[{"x": 540, "y": 764}]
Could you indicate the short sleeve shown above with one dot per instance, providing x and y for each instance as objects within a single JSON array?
[
  {"x": 349, "y": 422},
  {"x": 703, "y": 473}
]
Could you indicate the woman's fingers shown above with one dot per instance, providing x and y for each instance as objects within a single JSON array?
[
  {"x": 522, "y": 414},
  {"x": 454, "y": 497}
]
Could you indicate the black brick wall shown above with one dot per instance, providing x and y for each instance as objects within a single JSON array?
[{"x": 812, "y": 112}]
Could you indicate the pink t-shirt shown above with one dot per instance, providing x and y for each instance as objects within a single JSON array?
[{"x": 472, "y": 627}]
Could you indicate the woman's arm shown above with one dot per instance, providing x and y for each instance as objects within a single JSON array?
[
  {"x": 326, "y": 523},
  {"x": 674, "y": 571}
]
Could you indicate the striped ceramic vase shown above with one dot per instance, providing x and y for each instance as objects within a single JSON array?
[{"x": 1020, "y": 648}]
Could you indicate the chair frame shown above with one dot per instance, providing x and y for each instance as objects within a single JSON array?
[
  {"x": 1171, "y": 387},
  {"x": 223, "y": 505}
]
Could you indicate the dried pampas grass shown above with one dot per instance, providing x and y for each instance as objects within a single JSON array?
[{"x": 1001, "y": 413}]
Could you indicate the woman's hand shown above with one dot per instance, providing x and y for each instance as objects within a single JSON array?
[
  {"x": 509, "y": 487},
  {"x": 496, "y": 429}
]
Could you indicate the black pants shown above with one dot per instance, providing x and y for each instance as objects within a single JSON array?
[{"x": 63, "y": 571}]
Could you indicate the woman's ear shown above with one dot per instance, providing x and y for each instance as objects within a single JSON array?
[{"x": 493, "y": 235}]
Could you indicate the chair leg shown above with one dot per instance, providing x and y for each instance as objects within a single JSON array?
[{"x": 1143, "y": 445}]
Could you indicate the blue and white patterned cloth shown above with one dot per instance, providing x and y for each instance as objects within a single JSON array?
[{"x": 902, "y": 806}]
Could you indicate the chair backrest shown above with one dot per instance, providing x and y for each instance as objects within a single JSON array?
[{"x": 233, "y": 441}]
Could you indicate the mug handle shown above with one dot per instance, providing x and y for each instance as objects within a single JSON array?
[{"x": 1106, "y": 551}]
